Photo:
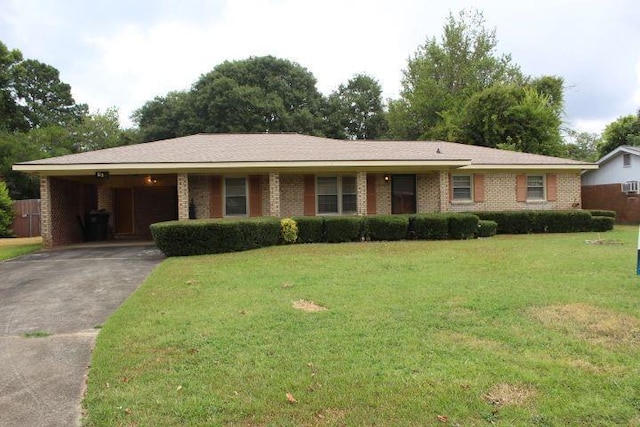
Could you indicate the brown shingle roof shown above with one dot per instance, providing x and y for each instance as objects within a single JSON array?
[{"x": 288, "y": 147}]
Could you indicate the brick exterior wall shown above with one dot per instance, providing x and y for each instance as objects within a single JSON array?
[
  {"x": 183, "y": 196},
  {"x": 291, "y": 195},
  {"x": 610, "y": 197},
  {"x": 500, "y": 194},
  {"x": 383, "y": 195},
  {"x": 200, "y": 194},
  {"x": 67, "y": 203},
  {"x": 273, "y": 195},
  {"x": 45, "y": 212},
  {"x": 361, "y": 184},
  {"x": 428, "y": 194}
]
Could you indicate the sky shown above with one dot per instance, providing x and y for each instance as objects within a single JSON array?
[{"x": 117, "y": 53}]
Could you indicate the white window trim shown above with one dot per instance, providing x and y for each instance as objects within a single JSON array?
[
  {"x": 246, "y": 196},
  {"x": 544, "y": 188},
  {"x": 339, "y": 195},
  {"x": 471, "y": 189}
]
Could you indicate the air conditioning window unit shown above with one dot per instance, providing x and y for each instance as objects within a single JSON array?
[{"x": 631, "y": 187}]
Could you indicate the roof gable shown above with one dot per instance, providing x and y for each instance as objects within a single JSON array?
[{"x": 623, "y": 149}]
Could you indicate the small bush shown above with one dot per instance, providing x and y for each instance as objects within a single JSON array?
[
  {"x": 487, "y": 228},
  {"x": 340, "y": 229},
  {"x": 387, "y": 227},
  {"x": 463, "y": 226},
  {"x": 310, "y": 229},
  {"x": 599, "y": 212},
  {"x": 561, "y": 221},
  {"x": 602, "y": 223},
  {"x": 288, "y": 230},
  {"x": 431, "y": 226},
  {"x": 6, "y": 211}
]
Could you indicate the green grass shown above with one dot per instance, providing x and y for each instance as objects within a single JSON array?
[
  {"x": 11, "y": 248},
  {"x": 513, "y": 330}
]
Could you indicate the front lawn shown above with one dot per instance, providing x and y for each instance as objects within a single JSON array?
[
  {"x": 11, "y": 248},
  {"x": 513, "y": 330}
]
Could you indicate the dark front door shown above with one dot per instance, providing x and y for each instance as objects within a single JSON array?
[
  {"x": 123, "y": 211},
  {"x": 403, "y": 194}
]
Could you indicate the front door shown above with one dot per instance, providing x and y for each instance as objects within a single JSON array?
[
  {"x": 403, "y": 194},
  {"x": 123, "y": 211}
]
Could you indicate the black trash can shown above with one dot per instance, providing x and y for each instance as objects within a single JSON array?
[{"x": 96, "y": 226}]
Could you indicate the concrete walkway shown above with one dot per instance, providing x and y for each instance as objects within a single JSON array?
[{"x": 66, "y": 294}]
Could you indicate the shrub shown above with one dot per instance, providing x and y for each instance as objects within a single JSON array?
[
  {"x": 510, "y": 222},
  {"x": 561, "y": 221},
  {"x": 463, "y": 226},
  {"x": 387, "y": 227},
  {"x": 199, "y": 237},
  {"x": 288, "y": 230},
  {"x": 6, "y": 211},
  {"x": 310, "y": 229},
  {"x": 431, "y": 226},
  {"x": 602, "y": 223},
  {"x": 340, "y": 229},
  {"x": 487, "y": 228},
  {"x": 599, "y": 212}
]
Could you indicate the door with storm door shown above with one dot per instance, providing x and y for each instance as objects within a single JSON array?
[{"x": 403, "y": 194}]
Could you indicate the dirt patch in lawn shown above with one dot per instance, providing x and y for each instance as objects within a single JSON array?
[
  {"x": 305, "y": 305},
  {"x": 510, "y": 394},
  {"x": 590, "y": 323}
]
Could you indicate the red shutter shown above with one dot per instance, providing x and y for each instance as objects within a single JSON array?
[
  {"x": 552, "y": 187},
  {"x": 255, "y": 196},
  {"x": 371, "y": 194},
  {"x": 215, "y": 208},
  {"x": 478, "y": 188},
  {"x": 521, "y": 188},
  {"x": 309, "y": 195}
]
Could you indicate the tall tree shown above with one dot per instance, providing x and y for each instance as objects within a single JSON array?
[
  {"x": 167, "y": 116},
  {"x": 356, "y": 110},
  {"x": 623, "y": 131},
  {"x": 259, "y": 94},
  {"x": 582, "y": 145},
  {"x": 443, "y": 75},
  {"x": 10, "y": 118}
]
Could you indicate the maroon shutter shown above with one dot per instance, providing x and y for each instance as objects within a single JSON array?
[
  {"x": 309, "y": 195},
  {"x": 552, "y": 187},
  {"x": 478, "y": 188},
  {"x": 521, "y": 188},
  {"x": 255, "y": 196},
  {"x": 371, "y": 194},
  {"x": 216, "y": 197}
]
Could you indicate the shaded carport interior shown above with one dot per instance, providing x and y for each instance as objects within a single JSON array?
[{"x": 133, "y": 202}]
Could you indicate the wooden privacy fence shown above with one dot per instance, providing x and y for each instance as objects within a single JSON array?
[{"x": 26, "y": 218}]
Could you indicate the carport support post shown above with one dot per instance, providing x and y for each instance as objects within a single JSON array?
[
  {"x": 183, "y": 196},
  {"x": 361, "y": 198},
  {"x": 45, "y": 212}
]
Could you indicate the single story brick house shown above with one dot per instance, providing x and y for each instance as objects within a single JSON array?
[
  {"x": 284, "y": 175},
  {"x": 615, "y": 185}
]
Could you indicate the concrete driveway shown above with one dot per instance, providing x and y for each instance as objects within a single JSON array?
[{"x": 66, "y": 294}]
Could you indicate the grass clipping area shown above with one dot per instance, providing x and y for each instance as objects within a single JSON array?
[{"x": 513, "y": 330}]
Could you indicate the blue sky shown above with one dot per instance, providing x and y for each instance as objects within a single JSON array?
[{"x": 117, "y": 53}]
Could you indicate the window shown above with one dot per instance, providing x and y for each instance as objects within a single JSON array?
[
  {"x": 337, "y": 194},
  {"x": 235, "y": 196},
  {"x": 535, "y": 187},
  {"x": 626, "y": 160},
  {"x": 461, "y": 187}
]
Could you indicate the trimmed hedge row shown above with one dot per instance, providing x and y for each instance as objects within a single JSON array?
[
  {"x": 198, "y": 237},
  {"x": 570, "y": 221}
]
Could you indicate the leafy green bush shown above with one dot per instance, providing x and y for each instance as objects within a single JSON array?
[
  {"x": 602, "y": 223},
  {"x": 387, "y": 227},
  {"x": 6, "y": 211},
  {"x": 463, "y": 226},
  {"x": 487, "y": 228},
  {"x": 600, "y": 212},
  {"x": 510, "y": 222},
  {"x": 288, "y": 230},
  {"x": 431, "y": 226},
  {"x": 561, "y": 221},
  {"x": 310, "y": 229},
  {"x": 340, "y": 229},
  {"x": 199, "y": 237}
]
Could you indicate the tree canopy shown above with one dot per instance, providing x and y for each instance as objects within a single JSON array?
[
  {"x": 356, "y": 110},
  {"x": 623, "y": 131}
]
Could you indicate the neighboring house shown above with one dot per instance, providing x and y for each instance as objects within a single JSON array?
[
  {"x": 283, "y": 175},
  {"x": 615, "y": 185}
]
